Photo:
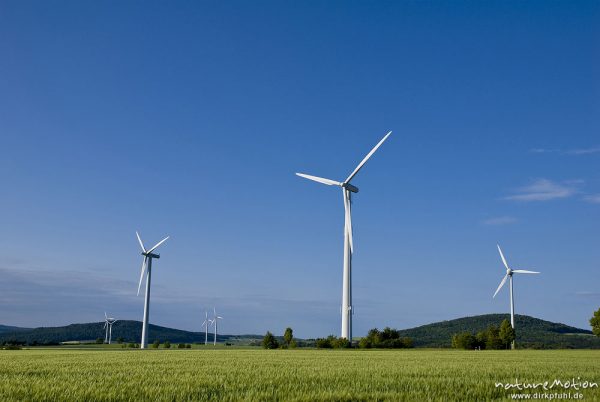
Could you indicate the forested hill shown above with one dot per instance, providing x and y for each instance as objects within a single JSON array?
[
  {"x": 128, "y": 330},
  {"x": 531, "y": 332}
]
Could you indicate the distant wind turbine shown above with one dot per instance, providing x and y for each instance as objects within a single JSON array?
[
  {"x": 147, "y": 267},
  {"x": 108, "y": 323},
  {"x": 509, "y": 275},
  {"x": 215, "y": 321},
  {"x": 347, "y": 190}
]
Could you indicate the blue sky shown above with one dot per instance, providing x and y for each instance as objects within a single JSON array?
[{"x": 190, "y": 119}]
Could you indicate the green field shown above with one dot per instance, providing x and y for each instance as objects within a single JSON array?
[{"x": 253, "y": 374}]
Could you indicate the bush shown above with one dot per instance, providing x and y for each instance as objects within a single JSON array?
[
  {"x": 99, "y": 341},
  {"x": 12, "y": 347},
  {"x": 131, "y": 345},
  {"x": 120, "y": 340},
  {"x": 181, "y": 346},
  {"x": 156, "y": 344},
  {"x": 188, "y": 346},
  {"x": 167, "y": 345}
]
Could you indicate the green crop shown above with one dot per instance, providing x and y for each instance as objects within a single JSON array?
[{"x": 286, "y": 375}]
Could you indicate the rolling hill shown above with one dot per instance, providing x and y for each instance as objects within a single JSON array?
[
  {"x": 531, "y": 333},
  {"x": 126, "y": 329}
]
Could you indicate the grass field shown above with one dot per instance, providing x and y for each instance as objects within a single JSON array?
[{"x": 253, "y": 374}]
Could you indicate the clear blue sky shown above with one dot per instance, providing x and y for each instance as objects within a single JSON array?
[{"x": 190, "y": 119}]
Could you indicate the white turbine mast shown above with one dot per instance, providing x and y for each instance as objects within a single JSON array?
[
  {"x": 509, "y": 276},
  {"x": 215, "y": 322},
  {"x": 347, "y": 190},
  {"x": 147, "y": 268},
  {"x": 108, "y": 323},
  {"x": 206, "y": 324}
]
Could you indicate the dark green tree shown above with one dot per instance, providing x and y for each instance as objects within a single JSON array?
[
  {"x": 288, "y": 336},
  {"x": 464, "y": 340},
  {"x": 269, "y": 341},
  {"x": 120, "y": 340},
  {"x": 506, "y": 334},
  {"x": 156, "y": 344},
  {"x": 167, "y": 345},
  {"x": 595, "y": 322},
  {"x": 493, "y": 338},
  {"x": 99, "y": 340}
]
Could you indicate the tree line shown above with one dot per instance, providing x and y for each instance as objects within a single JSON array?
[{"x": 492, "y": 338}]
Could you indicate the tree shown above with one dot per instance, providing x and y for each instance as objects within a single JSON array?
[
  {"x": 324, "y": 343},
  {"x": 99, "y": 341},
  {"x": 120, "y": 340},
  {"x": 595, "y": 322},
  {"x": 463, "y": 340},
  {"x": 388, "y": 338},
  {"x": 507, "y": 333},
  {"x": 181, "y": 346},
  {"x": 288, "y": 336},
  {"x": 156, "y": 344},
  {"x": 167, "y": 345},
  {"x": 269, "y": 341},
  {"x": 493, "y": 338}
]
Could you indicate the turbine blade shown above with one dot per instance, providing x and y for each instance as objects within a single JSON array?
[
  {"x": 140, "y": 240},
  {"x": 348, "y": 220},
  {"x": 366, "y": 158},
  {"x": 142, "y": 274},
  {"x": 329, "y": 182},
  {"x": 501, "y": 284},
  {"x": 105, "y": 316},
  {"x": 502, "y": 256},
  {"x": 157, "y": 244},
  {"x": 523, "y": 271},
  {"x": 105, "y": 324}
]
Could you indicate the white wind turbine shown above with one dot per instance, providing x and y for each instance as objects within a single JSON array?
[
  {"x": 509, "y": 275},
  {"x": 108, "y": 323},
  {"x": 147, "y": 267},
  {"x": 215, "y": 321},
  {"x": 347, "y": 190},
  {"x": 206, "y": 324}
]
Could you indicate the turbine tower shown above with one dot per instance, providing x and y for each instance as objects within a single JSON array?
[
  {"x": 206, "y": 324},
  {"x": 108, "y": 323},
  {"x": 509, "y": 275},
  {"x": 147, "y": 267},
  {"x": 215, "y": 321},
  {"x": 347, "y": 190}
]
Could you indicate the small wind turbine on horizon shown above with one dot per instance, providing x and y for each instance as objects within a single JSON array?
[
  {"x": 108, "y": 323},
  {"x": 215, "y": 321},
  {"x": 147, "y": 267},
  {"x": 509, "y": 275},
  {"x": 347, "y": 190},
  {"x": 206, "y": 324}
]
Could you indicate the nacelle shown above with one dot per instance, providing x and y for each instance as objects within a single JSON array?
[{"x": 350, "y": 187}]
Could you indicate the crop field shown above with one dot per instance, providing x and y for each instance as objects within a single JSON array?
[{"x": 287, "y": 375}]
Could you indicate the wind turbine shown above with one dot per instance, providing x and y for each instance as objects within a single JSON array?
[
  {"x": 108, "y": 323},
  {"x": 347, "y": 190},
  {"x": 206, "y": 324},
  {"x": 147, "y": 267},
  {"x": 215, "y": 321},
  {"x": 509, "y": 275}
]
